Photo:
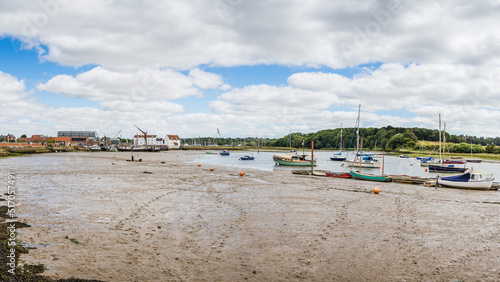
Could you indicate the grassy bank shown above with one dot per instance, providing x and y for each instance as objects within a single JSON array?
[{"x": 19, "y": 151}]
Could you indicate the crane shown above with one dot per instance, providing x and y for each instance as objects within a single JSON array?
[
  {"x": 145, "y": 135},
  {"x": 116, "y": 135}
]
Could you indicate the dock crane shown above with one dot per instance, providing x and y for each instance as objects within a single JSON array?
[
  {"x": 145, "y": 135},
  {"x": 116, "y": 135}
]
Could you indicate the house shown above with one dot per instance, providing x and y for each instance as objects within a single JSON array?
[
  {"x": 152, "y": 140},
  {"x": 72, "y": 141},
  {"x": 173, "y": 141},
  {"x": 7, "y": 138},
  {"x": 37, "y": 139}
]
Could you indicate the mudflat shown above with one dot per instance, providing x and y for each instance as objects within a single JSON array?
[{"x": 98, "y": 216}]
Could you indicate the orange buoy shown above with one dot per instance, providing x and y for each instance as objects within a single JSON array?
[
  {"x": 376, "y": 190},
  {"x": 425, "y": 170},
  {"x": 211, "y": 169},
  {"x": 242, "y": 173},
  {"x": 199, "y": 164},
  {"x": 342, "y": 163}
]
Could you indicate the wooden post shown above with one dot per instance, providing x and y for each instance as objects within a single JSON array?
[
  {"x": 312, "y": 157},
  {"x": 361, "y": 157},
  {"x": 383, "y": 162}
]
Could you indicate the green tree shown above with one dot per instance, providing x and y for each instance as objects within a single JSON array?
[
  {"x": 395, "y": 141},
  {"x": 490, "y": 148}
]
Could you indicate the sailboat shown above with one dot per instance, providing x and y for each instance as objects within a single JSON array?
[
  {"x": 471, "y": 160},
  {"x": 442, "y": 166},
  {"x": 366, "y": 161},
  {"x": 293, "y": 159},
  {"x": 370, "y": 177},
  {"x": 338, "y": 156}
]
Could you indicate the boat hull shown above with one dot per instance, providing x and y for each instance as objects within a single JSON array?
[
  {"x": 438, "y": 168},
  {"x": 339, "y": 174},
  {"x": 338, "y": 159},
  {"x": 293, "y": 163},
  {"x": 474, "y": 185},
  {"x": 363, "y": 165},
  {"x": 453, "y": 162},
  {"x": 247, "y": 158},
  {"x": 429, "y": 163},
  {"x": 370, "y": 177}
]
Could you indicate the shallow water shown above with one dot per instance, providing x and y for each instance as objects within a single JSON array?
[{"x": 392, "y": 164}]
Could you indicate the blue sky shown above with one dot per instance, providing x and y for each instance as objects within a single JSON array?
[
  {"x": 26, "y": 64},
  {"x": 189, "y": 69}
]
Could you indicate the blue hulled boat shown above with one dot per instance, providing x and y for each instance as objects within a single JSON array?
[{"x": 247, "y": 158}]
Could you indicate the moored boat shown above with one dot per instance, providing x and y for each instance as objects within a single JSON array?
[
  {"x": 404, "y": 156},
  {"x": 224, "y": 153},
  {"x": 338, "y": 174},
  {"x": 429, "y": 161},
  {"x": 338, "y": 159},
  {"x": 469, "y": 180},
  {"x": 338, "y": 156},
  {"x": 95, "y": 148},
  {"x": 247, "y": 158},
  {"x": 443, "y": 168},
  {"x": 365, "y": 162},
  {"x": 473, "y": 160},
  {"x": 409, "y": 179},
  {"x": 370, "y": 177},
  {"x": 453, "y": 162},
  {"x": 292, "y": 160}
]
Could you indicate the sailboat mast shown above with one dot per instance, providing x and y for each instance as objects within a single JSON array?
[
  {"x": 440, "y": 137},
  {"x": 341, "y": 137},
  {"x": 444, "y": 140},
  {"x": 290, "y": 140},
  {"x": 357, "y": 132}
]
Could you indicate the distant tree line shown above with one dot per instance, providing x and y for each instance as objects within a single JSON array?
[{"x": 388, "y": 138}]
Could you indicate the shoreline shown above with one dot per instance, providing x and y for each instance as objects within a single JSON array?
[
  {"x": 176, "y": 221},
  {"x": 14, "y": 151}
]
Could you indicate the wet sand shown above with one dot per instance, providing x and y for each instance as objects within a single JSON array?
[{"x": 97, "y": 216}]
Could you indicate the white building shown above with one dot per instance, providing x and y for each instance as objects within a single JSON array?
[
  {"x": 152, "y": 140},
  {"x": 173, "y": 141}
]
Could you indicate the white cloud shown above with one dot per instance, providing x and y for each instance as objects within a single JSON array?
[
  {"x": 437, "y": 57},
  {"x": 205, "y": 80},
  {"x": 154, "y": 109},
  {"x": 466, "y": 95},
  {"x": 180, "y": 34},
  {"x": 100, "y": 84}
]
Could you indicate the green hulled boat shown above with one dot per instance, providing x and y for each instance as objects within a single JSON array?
[
  {"x": 370, "y": 177},
  {"x": 292, "y": 160}
]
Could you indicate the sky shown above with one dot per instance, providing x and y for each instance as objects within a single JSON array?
[{"x": 248, "y": 68}]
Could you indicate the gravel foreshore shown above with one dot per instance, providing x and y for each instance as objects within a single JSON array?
[{"x": 99, "y": 216}]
